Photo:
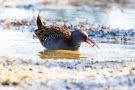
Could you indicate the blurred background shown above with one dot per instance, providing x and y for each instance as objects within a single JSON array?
[
  {"x": 100, "y": 3},
  {"x": 113, "y": 13},
  {"x": 109, "y": 23}
]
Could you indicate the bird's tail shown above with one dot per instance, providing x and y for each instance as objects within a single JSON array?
[
  {"x": 41, "y": 27},
  {"x": 40, "y": 22}
]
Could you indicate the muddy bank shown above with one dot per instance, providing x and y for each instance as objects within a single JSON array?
[{"x": 32, "y": 74}]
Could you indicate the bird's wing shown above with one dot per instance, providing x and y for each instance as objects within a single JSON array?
[
  {"x": 53, "y": 30},
  {"x": 44, "y": 30}
]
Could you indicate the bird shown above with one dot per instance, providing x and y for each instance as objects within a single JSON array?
[{"x": 60, "y": 37}]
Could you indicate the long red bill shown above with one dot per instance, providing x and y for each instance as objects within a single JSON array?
[{"x": 92, "y": 44}]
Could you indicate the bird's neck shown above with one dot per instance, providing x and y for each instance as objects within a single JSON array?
[{"x": 75, "y": 43}]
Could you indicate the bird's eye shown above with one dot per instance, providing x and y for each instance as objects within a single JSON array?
[{"x": 84, "y": 36}]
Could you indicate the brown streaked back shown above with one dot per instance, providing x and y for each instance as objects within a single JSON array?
[{"x": 44, "y": 30}]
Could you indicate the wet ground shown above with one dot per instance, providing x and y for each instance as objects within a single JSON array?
[{"x": 110, "y": 67}]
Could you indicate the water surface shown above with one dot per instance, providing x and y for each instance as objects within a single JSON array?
[
  {"x": 115, "y": 17},
  {"x": 22, "y": 44}
]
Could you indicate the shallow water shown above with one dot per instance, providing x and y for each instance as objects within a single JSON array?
[
  {"x": 18, "y": 43},
  {"x": 22, "y": 44},
  {"x": 115, "y": 18}
]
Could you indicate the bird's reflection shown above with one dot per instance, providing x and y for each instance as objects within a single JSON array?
[{"x": 59, "y": 54}]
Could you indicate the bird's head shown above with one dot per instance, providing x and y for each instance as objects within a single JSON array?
[{"x": 80, "y": 36}]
